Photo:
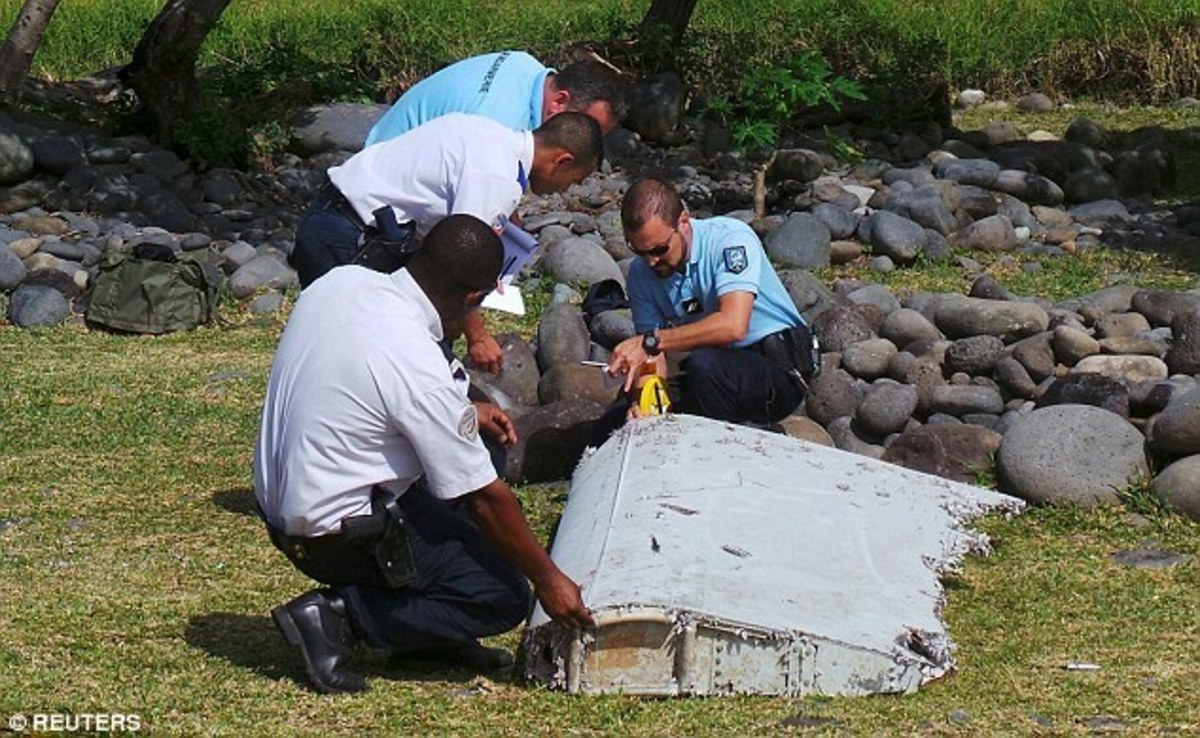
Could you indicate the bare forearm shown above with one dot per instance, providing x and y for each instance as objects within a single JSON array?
[
  {"x": 729, "y": 324},
  {"x": 498, "y": 514},
  {"x": 473, "y": 326},
  {"x": 716, "y": 329}
]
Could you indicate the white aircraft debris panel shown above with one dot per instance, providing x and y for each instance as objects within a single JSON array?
[{"x": 719, "y": 559}]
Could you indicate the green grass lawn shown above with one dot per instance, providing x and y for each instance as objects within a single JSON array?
[{"x": 134, "y": 579}]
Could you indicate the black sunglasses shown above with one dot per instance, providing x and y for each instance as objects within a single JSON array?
[{"x": 656, "y": 251}]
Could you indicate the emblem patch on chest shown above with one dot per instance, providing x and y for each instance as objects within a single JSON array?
[
  {"x": 468, "y": 424},
  {"x": 735, "y": 259}
]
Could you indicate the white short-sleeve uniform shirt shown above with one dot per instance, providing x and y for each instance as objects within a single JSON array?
[
  {"x": 360, "y": 394},
  {"x": 457, "y": 163}
]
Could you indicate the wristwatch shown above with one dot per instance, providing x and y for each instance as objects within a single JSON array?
[{"x": 650, "y": 343}]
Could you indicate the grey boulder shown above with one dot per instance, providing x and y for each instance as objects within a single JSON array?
[
  {"x": 1176, "y": 430},
  {"x": 37, "y": 306},
  {"x": 895, "y": 236},
  {"x": 264, "y": 271},
  {"x": 336, "y": 127},
  {"x": 576, "y": 381},
  {"x": 1072, "y": 454},
  {"x": 518, "y": 377},
  {"x": 16, "y": 160},
  {"x": 886, "y": 407},
  {"x": 801, "y": 242},
  {"x": 1179, "y": 486},
  {"x": 1184, "y": 355},
  {"x": 971, "y": 316},
  {"x": 959, "y": 452},
  {"x": 576, "y": 260},
  {"x": 12, "y": 269},
  {"x": 562, "y": 336}
]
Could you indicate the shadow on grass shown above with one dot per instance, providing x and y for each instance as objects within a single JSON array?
[
  {"x": 237, "y": 501},
  {"x": 1180, "y": 248},
  {"x": 248, "y": 641},
  {"x": 253, "y": 643}
]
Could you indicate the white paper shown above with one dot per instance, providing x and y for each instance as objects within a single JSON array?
[{"x": 509, "y": 301}]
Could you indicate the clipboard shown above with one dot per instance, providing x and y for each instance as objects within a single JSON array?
[{"x": 519, "y": 246}]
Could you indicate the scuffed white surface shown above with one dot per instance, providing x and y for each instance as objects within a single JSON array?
[{"x": 726, "y": 524}]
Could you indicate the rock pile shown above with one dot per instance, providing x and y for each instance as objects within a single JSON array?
[
  {"x": 67, "y": 195},
  {"x": 1087, "y": 395},
  {"x": 1063, "y": 402}
]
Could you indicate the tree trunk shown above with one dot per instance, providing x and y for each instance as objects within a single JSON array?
[
  {"x": 16, "y": 56},
  {"x": 163, "y": 69},
  {"x": 674, "y": 14}
]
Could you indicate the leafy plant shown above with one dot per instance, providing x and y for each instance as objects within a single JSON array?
[
  {"x": 1139, "y": 497},
  {"x": 985, "y": 476},
  {"x": 842, "y": 147},
  {"x": 267, "y": 142},
  {"x": 214, "y": 137},
  {"x": 718, "y": 108},
  {"x": 772, "y": 96},
  {"x": 778, "y": 92},
  {"x": 755, "y": 134}
]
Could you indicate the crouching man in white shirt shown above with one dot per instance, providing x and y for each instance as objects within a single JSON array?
[{"x": 372, "y": 478}]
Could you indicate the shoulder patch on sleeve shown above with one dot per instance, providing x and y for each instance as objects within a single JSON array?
[
  {"x": 468, "y": 424},
  {"x": 735, "y": 259}
]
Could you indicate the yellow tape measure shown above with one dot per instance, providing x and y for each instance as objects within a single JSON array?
[{"x": 653, "y": 399}]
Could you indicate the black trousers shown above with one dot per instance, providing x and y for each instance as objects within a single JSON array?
[
  {"x": 738, "y": 385},
  {"x": 327, "y": 236},
  {"x": 464, "y": 588},
  {"x": 734, "y": 385}
]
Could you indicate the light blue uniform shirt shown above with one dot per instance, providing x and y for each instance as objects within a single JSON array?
[
  {"x": 726, "y": 257},
  {"x": 506, "y": 87}
]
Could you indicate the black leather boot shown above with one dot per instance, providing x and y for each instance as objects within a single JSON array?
[
  {"x": 468, "y": 655},
  {"x": 317, "y": 624}
]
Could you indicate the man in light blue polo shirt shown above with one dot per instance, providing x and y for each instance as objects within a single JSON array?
[
  {"x": 519, "y": 92},
  {"x": 707, "y": 287},
  {"x": 510, "y": 87}
]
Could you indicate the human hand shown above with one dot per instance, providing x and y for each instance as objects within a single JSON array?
[
  {"x": 562, "y": 599},
  {"x": 485, "y": 353},
  {"x": 496, "y": 423},
  {"x": 627, "y": 358}
]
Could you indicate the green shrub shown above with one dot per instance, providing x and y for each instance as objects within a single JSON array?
[
  {"x": 267, "y": 55},
  {"x": 771, "y": 97}
]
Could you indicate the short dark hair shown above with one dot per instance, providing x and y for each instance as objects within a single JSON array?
[
  {"x": 574, "y": 132},
  {"x": 589, "y": 81},
  {"x": 463, "y": 250},
  {"x": 647, "y": 198}
]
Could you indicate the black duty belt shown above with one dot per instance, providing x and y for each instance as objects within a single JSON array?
[
  {"x": 353, "y": 528},
  {"x": 331, "y": 198},
  {"x": 794, "y": 349},
  {"x": 760, "y": 346}
]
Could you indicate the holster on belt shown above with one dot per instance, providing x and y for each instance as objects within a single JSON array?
[
  {"x": 795, "y": 349},
  {"x": 385, "y": 532},
  {"x": 387, "y": 245}
]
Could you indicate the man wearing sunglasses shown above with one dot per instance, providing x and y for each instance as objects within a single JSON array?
[
  {"x": 706, "y": 287},
  {"x": 372, "y": 478}
]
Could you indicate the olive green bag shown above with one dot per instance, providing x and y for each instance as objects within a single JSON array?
[{"x": 151, "y": 289}]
